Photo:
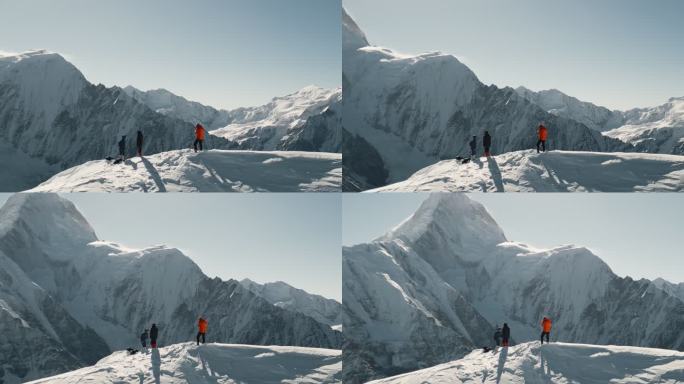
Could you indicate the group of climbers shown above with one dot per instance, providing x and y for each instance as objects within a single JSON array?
[
  {"x": 153, "y": 333},
  {"x": 542, "y": 134},
  {"x": 200, "y": 133},
  {"x": 502, "y": 335}
]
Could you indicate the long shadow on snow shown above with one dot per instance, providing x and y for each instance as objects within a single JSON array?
[
  {"x": 156, "y": 365},
  {"x": 502, "y": 361},
  {"x": 154, "y": 174},
  {"x": 496, "y": 174}
]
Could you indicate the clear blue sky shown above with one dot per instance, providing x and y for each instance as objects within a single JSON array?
[
  {"x": 635, "y": 234},
  {"x": 616, "y": 53},
  {"x": 265, "y": 236},
  {"x": 225, "y": 53}
]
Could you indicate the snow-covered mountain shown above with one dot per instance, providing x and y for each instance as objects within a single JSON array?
[
  {"x": 308, "y": 119},
  {"x": 658, "y": 130},
  {"x": 433, "y": 288},
  {"x": 72, "y": 298},
  {"x": 281, "y": 294},
  {"x": 554, "y": 171},
  {"x": 416, "y": 110},
  {"x": 212, "y": 363},
  {"x": 558, "y": 103},
  {"x": 170, "y": 104},
  {"x": 555, "y": 363},
  {"x": 52, "y": 114},
  {"x": 208, "y": 171}
]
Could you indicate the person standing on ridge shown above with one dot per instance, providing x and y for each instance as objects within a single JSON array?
[
  {"x": 143, "y": 340},
  {"x": 542, "y": 133},
  {"x": 122, "y": 148},
  {"x": 154, "y": 332},
  {"x": 139, "y": 142},
  {"x": 487, "y": 143},
  {"x": 497, "y": 336},
  {"x": 199, "y": 137},
  {"x": 473, "y": 145},
  {"x": 202, "y": 330},
  {"x": 546, "y": 329},
  {"x": 505, "y": 335}
]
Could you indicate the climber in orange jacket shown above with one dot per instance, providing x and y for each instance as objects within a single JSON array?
[
  {"x": 542, "y": 133},
  {"x": 199, "y": 137},
  {"x": 546, "y": 329},
  {"x": 202, "y": 327}
]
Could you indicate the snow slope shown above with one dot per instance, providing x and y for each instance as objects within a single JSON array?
[
  {"x": 68, "y": 298},
  {"x": 268, "y": 127},
  {"x": 212, "y": 363},
  {"x": 554, "y": 171},
  {"x": 208, "y": 171},
  {"x": 417, "y": 109},
  {"x": 555, "y": 363},
  {"x": 434, "y": 287},
  {"x": 283, "y": 295}
]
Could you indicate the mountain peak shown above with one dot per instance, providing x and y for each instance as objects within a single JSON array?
[
  {"x": 464, "y": 224},
  {"x": 48, "y": 219},
  {"x": 352, "y": 36}
]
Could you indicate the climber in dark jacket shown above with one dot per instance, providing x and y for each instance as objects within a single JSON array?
[
  {"x": 497, "y": 336},
  {"x": 122, "y": 148},
  {"x": 505, "y": 335},
  {"x": 473, "y": 145},
  {"x": 143, "y": 340},
  {"x": 487, "y": 143},
  {"x": 154, "y": 332},
  {"x": 139, "y": 142}
]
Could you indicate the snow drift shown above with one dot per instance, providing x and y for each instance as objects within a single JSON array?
[
  {"x": 433, "y": 289},
  {"x": 531, "y": 363},
  {"x": 554, "y": 171},
  {"x": 68, "y": 298},
  {"x": 208, "y": 171},
  {"x": 211, "y": 363}
]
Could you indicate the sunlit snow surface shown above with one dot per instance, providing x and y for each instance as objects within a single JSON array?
[
  {"x": 555, "y": 171},
  {"x": 212, "y": 363},
  {"x": 555, "y": 363},
  {"x": 209, "y": 171}
]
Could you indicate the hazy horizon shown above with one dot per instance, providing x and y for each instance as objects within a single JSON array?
[
  {"x": 619, "y": 228},
  {"x": 620, "y": 54},
  {"x": 222, "y": 53}
]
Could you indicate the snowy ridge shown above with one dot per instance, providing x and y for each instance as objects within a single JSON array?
[
  {"x": 659, "y": 129},
  {"x": 283, "y": 295},
  {"x": 433, "y": 289},
  {"x": 167, "y": 103},
  {"x": 267, "y": 127},
  {"x": 71, "y": 298},
  {"x": 558, "y": 103},
  {"x": 208, "y": 171},
  {"x": 555, "y": 363},
  {"x": 212, "y": 363},
  {"x": 414, "y": 110},
  {"x": 554, "y": 171}
]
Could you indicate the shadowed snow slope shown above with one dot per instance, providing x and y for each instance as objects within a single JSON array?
[
  {"x": 212, "y": 363},
  {"x": 433, "y": 288},
  {"x": 554, "y": 171},
  {"x": 209, "y": 171},
  {"x": 555, "y": 363}
]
